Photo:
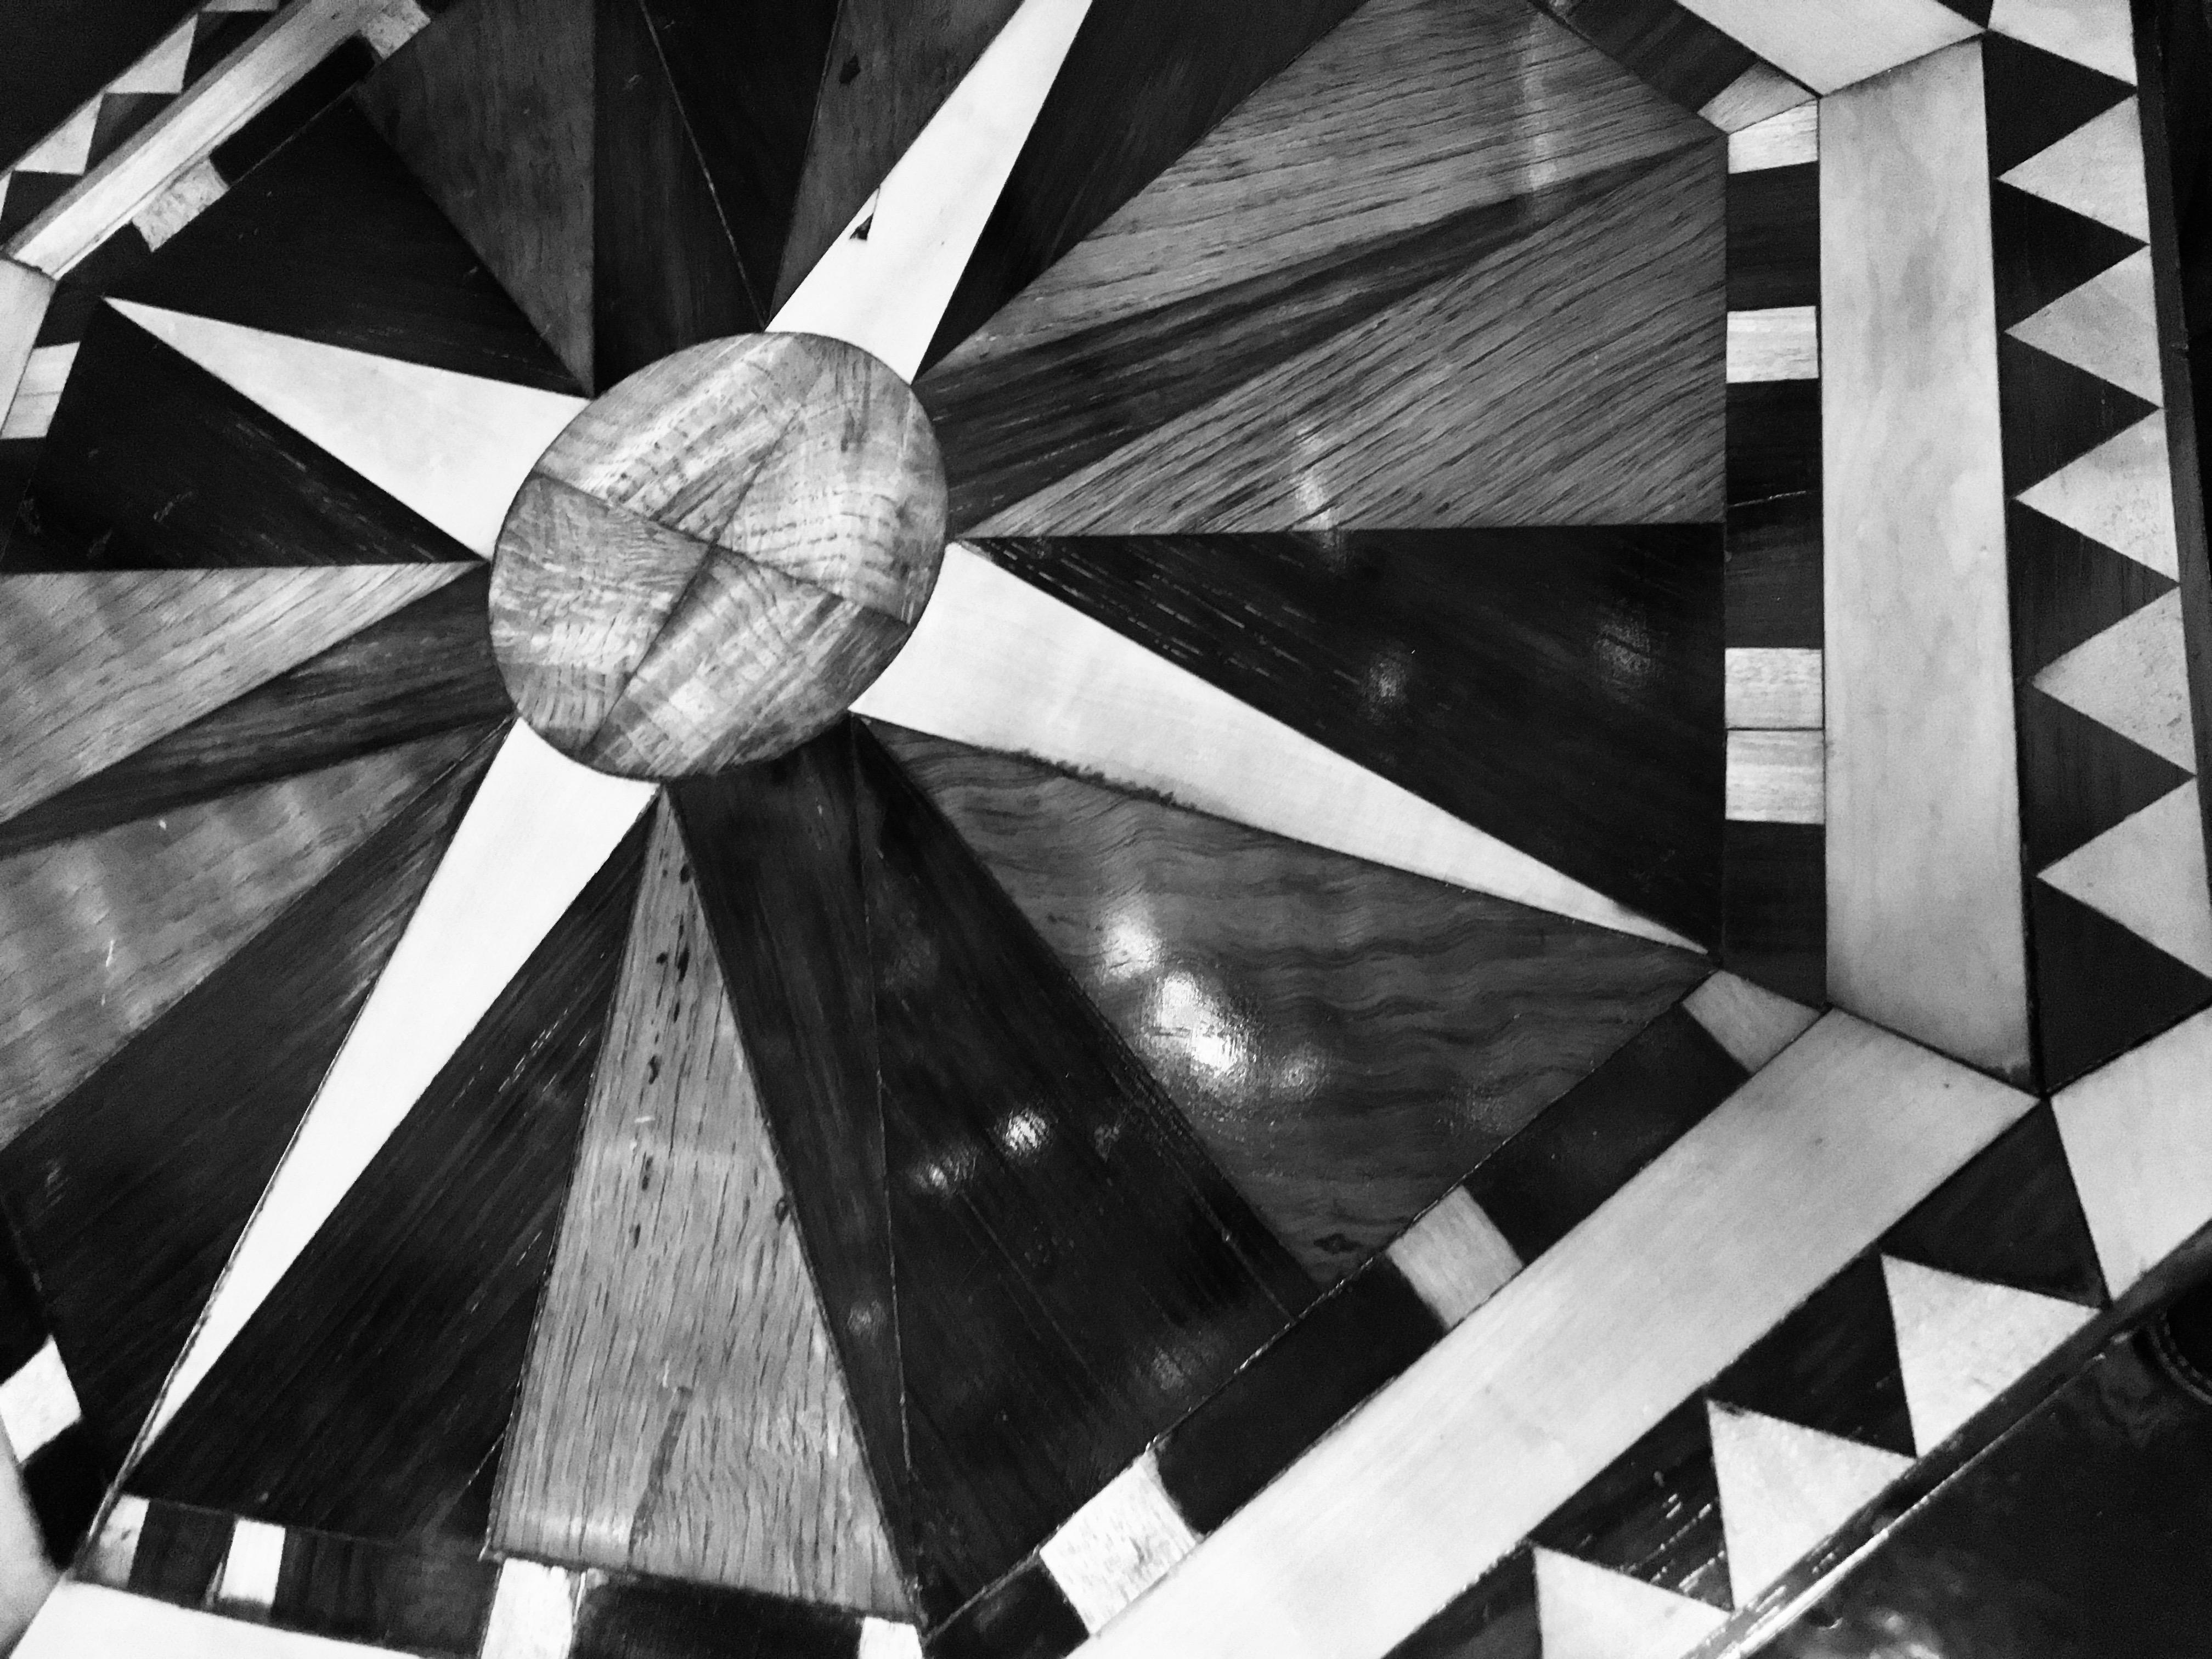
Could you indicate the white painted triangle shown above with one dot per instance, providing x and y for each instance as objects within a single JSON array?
[
  {"x": 2097, "y": 170},
  {"x": 2134, "y": 678},
  {"x": 455, "y": 448},
  {"x": 538, "y": 828},
  {"x": 2147, "y": 872},
  {"x": 162, "y": 69},
  {"x": 2097, "y": 34},
  {"x": 2138, "y": 1137},
  {"x": 1962, "y": 1342},
  {"x": 2119, "y": 493},
  {"x": 1593, "y": 1613},
  {"x": 68, "y": 148},
  {"x": 998, "y": 664},
  {"x": 2107, "y": 326},
  {"x": 887, "y": 292},
  {"x": 1785, "y": 1488}
]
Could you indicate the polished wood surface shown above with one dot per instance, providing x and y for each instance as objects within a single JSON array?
[
  {"x": 714, "y": 558},
  {"x": 684, "y": 1414}
]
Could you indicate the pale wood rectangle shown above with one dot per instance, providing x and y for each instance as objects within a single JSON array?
[
  {"x": 1776, "y": 777},
  {"x": 237, "y": 89},
  {"x": 1446, "y": 1470},
  {"x": 1831, "y": 43},
  {"x": 248, "y": 1584},
  {"x": 1751, "y": 1022},
  {"x": 182, "y": 200},
  {"x": 1780, "y": 345},
  {"x": 24, "y": 294},
  {"x": 1925, "y": 928},
  {"x": 1775, "y": 688},
  {"x": 1790, "y": 139},
  {"x": 1454, "y": 1257},
  {"x": 1757, "y": 95},
  {"x": 1117, "y": 1545},
  {"x": 533, "y": 1611},
  {"x": 38, "y": 1402}
]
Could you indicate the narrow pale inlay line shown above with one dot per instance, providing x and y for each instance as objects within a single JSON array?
[
  {"x": 455, "y": 448},
  {"x": 998, "y": 664},
  {"x": 538, "y": 831},
  {"x": 884, "y": 284}
]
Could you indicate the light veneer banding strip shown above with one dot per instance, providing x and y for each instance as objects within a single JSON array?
[
  {"x": 997, "y": 664},
  {"x": 1779, "y": 345},
  {"x": 1776, "y": 777},
  {"x": 884, "y": 284},
  {"x": 1831, "y": 43},
  {"x": 1788, "y": 140},
  {"x": 24, "y": 294},
  {"x": 248, "y": 1582},
  {"x": 1443, "y": 1473},
  {"x": 538, "y": 831},
  {"x": 1454, "y": 1257},
  {"x": 1775, "y": 688},
  {"x": 79, "y": 1619},
  {"x": 231, "y": 94},
  {"x": 1751, "y": 1022},
  {"x": 455, "y": 448},
  {"x": 1760, "y": 93},
  {"x": 533, "y": 1611},
  {"x": 38, "y": 1402},
  {"x": 1118, "y": 1544},
  {"x": 1926, "y": 931}
]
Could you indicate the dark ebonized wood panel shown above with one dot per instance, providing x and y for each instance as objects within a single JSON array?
[
  {"x": 1141, "y": 83},
  {"x": 292, "y": 111},
  {"x": 635, "y": 1619},
  {"x": 490, "y": 108},
  {"x": 1347, "y": 1040},
  {"x": 2078, "y": 778},
  {"x": 1774, "y": 237},
  {"x": 55, "y": 54},
  {"x": 2053, "y": 413},
  {"x": 1342, "y": 1350},
  {"x": 1653, "y": 1513},
  {"x": 890, "y": 64},
  {"x": 152, "y": 461},
  {"x": 2066, "y": 588},
  {"x": 2081, "y": 1534},
  {"x": 332, "y": 240},
  {"x": 1073, "y": 1275},
  {"x": 1676, "y": 50},
  {"x": 2042, "y": 250},
  {"x": 369, "y": 1395},
  {"x": 665, "y": 270},
  {"x": 425, "y": 670},
  {"x": 1558, "y": 689},
  {"x": 1023, "y": 1616},
  {"x": 355, "y": 1591},
  {"x": 1773, "y": 441},
  {"x": 1775, "y": 882},
  {"x": 773, "y": 851},
  {"x": 1773, "y": 586},
  {"x": 180, "y": 1551},
  {"x": 129, "y": 1194},
  {"x": 1493, "y": 1618},
  {"x": 2100, "y": 988},
  {"x": 746, "y": 75},
  {"x": 66, "y": 1480},
  {"x": 1540, "y": 1185}
]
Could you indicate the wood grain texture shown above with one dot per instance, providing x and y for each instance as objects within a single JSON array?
[
  {"x": 129, "y": 1194},
  {"x": 332, "y": 239},
  {"x": 491, "y": 109},
  {"x": 1312, "y": 207},
  {"x": 153, "y": 461},
  {"x": 717, "y": 556},
  {"x": 1440, "y": 1474},
  {"x": 426, "y": 669},
  {"x": 1453, "y": 406},
  {"x": 99, "y": 664},
  {"x": 684, "y": 1414},
  {"x": 1926, "y": 913},
  {"x": 644, "y": 1618},
  {"x": 1558, "y": 688},
  {"x": 394, "y": 1344},
  {"x": 890, "y": 66},
  {"x": 113, "y": 928},
  {"x": 1346, "y": 1040}
]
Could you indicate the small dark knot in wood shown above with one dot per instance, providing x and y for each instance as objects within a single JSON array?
[{"x": 717, "y": 556}]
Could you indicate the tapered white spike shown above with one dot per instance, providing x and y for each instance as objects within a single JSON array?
[
  {"x": 455, "y": 448},
  {"x": 998, "y": 664},
  {"x": 884, "y": 284},
  {"x": 539, "y": 829}
]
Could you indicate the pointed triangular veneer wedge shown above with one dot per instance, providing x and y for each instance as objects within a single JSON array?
[
  {"x": 2044, "y": 251},
  {"x": 1962, "y": 1342},
  {"x": 2097, "y": 170},
  {"x": 2053, "y": 413},
  {"x": 96, "y": 664},
  {"x": 2108, "y": 326},
  {"x": 2138, "y": 1135},
  {"x": 1785, "y": 1488},
  {"x": 369, "y": 1393},
  {"x": 2119, "y": 493},
  {"x": 1751, "y": 1022},
  {"x": 2100, "y": 988},
  {"x": 2035, "y": 97},
  {"x": 2094, "y": 33},
  {"x": 1593, "y": 1613},
  {"x": 2067, "y": 588},
  {"x": 2079, "y": 778},
  {"x": 1245, "y": 970},
  {"x": 2134, "y": 678},
  {"x": 454, "y": 447},
  {"x": 122, "y": 923},
  {"x": 684, "y": 1414},
  {"x": 997, "y": 664},
  {"x": 2147, "y": 873}
]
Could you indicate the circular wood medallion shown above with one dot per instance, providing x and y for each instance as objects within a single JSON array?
[{"x": 717, "y": 556}]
